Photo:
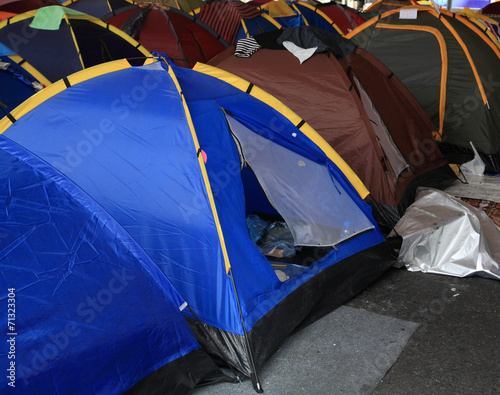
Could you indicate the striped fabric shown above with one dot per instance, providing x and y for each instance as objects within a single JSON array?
[
  {"x": 246, "y": 47},
  {"x": 225, "y": 17},
  {"x": 493, "y": 27}
]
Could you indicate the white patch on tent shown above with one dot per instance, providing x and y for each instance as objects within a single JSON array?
[
  {"x": 302, "y": 54},
  {"x": 408, "y": 13}
]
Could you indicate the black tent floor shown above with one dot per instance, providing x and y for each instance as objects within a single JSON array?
[{"x": 407, "y": 333}]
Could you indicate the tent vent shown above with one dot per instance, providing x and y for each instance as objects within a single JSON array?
[
  {"x": 249, "y": 89},
  {"x": 66, "y": 82}
]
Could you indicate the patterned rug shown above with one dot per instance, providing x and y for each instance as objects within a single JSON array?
[{"x": 491, "y": 209}]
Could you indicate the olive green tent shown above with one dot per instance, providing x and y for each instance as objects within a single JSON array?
[{"x": 452, "y": 68}]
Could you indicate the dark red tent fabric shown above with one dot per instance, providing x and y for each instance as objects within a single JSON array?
[
  {"x": 225, "y": 17},
  {"x": 492, "y": 10},
  {"x": 172, "y": 32},
  {"x": 20, "y": 6},
  {"x": 356, "y": 16}
]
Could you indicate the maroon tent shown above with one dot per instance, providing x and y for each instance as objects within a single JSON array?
[
  {"x": 233, "y": 20},
  {"x": 492, "y": 10},
  {"x": 20, "y": 6},
  {"x": 358, "y": 106},
  {"x": 184, "y": 39}
]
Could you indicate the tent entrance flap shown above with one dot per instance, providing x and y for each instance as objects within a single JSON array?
[
  {"x": 318, "y": 212},
  {"x": 392, "y": 152}
]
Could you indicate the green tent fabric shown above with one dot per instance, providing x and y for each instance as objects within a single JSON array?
[
  {"x": 451, "y": 67},
  {"x": 49, "y": 18}
]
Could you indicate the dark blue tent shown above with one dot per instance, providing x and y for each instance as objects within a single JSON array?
[
  {"x": 16, "y": 83},
  {"x": 102, "y": 9},
  {"x": 167, "y": 153},
  {"x": 59, "y": 41}
]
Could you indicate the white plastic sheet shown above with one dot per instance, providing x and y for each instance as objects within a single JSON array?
[{"x": 441, "y": 234}]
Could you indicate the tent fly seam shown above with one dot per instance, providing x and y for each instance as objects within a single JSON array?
[
  {"x": 444, "y": 61},
  {"x": 74, "y": 41},
  {"x": 469, "y": 58},
  {"x": 175, "y": 35}
]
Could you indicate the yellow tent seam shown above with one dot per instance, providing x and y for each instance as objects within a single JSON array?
[
  {"x": 469, "y": 58},
  {"x": 203, "y": 171},
  {"x": 30, "y": 69},
  {"x": 59, "y": 86},
  {"x": 74, "y": 41},
  {"x": 319, "y": 12}
]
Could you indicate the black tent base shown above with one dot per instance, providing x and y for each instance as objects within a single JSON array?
[
  {"x": 180, "y": 376},
  {"x": 387, "y": 216},
  {"x": 323, "y": 293}
]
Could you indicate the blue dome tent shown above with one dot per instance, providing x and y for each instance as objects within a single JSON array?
[
  {"x": 89, "y": 311},
  {"x": 177, "y": 158}
]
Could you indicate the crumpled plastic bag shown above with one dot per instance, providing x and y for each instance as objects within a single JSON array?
[
  {"x": 278, "y": 241},
  {"x": 444, "y": 235},
  {"x": 476, "y": 166},
  {"x": 257, "y": 227}
]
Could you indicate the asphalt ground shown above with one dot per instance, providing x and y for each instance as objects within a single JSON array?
[
  {"x": 407, "y": 333},
  {"x": 456, "y": 348}
]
